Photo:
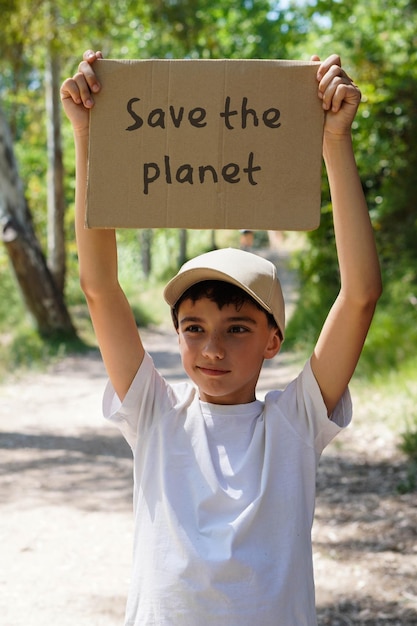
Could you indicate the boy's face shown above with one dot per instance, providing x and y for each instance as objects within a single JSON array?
[{"x": 222, "y": 350}]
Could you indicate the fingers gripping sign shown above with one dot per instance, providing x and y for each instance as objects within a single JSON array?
[
  {"x": 339, "y": 95},
  {"x": 89, "y": 83},
  {"x": 77, "y": 92}
]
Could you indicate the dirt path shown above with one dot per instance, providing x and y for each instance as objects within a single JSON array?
[{"x": 65, "y": 506}]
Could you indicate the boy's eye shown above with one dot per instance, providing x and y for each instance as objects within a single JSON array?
[
  {"x": 238, "y": 329},
  {"x": 193, "y": 328}
]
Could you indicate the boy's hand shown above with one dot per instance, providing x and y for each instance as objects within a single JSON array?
[
  {"x": 339, "y": 95},
  {"x": 76, "y": 93}
]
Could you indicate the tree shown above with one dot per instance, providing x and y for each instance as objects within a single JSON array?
[
  {"x": 145, "y": 237},
  {"x": 26, "y": 26},
  {"x": 55, "y": 170},
  {"x": 39, "y": 290}
]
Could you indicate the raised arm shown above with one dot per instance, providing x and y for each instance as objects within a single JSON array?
[
  {"x": 111, "y": 315},
  {"x": 341, "y": 340}
]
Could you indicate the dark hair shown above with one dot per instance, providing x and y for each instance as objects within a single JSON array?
[{"x": 222, "y": 293}]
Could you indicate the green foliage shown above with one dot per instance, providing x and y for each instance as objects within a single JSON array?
[
  {"x": 409, "y": 441},
  {"x": 408, "y": 445},
  {"x": 28, "y": 350},
  {"x": 393, "y": 335},
  {"x": 11, "y": 305},
  {"x": 214, "y": 29},
  {"x": 21, "y": 347},
  {"x": 379, "y": 46},
  {"x": 409, "y": 484},
  {"x": 316, "y": 265}
]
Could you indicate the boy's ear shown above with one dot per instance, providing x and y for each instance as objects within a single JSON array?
[{"x": 274, "y": 344}]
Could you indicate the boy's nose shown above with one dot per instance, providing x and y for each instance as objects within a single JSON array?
[{"x": 213, "y": 348}]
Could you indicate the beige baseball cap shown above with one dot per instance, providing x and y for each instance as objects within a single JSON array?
[{"x": 251, "y": 272}]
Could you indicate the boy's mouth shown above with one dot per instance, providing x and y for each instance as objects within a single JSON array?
[{"x": 212, "y": 371}]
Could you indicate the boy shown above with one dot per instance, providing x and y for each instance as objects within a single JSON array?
[{"x": 224, "y": 483}]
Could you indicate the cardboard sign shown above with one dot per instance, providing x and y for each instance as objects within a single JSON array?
[{"x": 205, "y": 144}]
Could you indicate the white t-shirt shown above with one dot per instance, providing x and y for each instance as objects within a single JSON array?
[{"x": 224, "y": 502}]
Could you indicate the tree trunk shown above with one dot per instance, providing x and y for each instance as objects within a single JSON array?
[
  {"x": 41, "y": 295},
  {"x": 182, "y": 254},
  {"x": 146, "y": 236},
  {"x": 55, "y": 178}
]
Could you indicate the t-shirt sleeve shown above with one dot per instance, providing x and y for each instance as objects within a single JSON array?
[
  {"x": 302, "y": 404},
  {"x": 148, "y": 395}
]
